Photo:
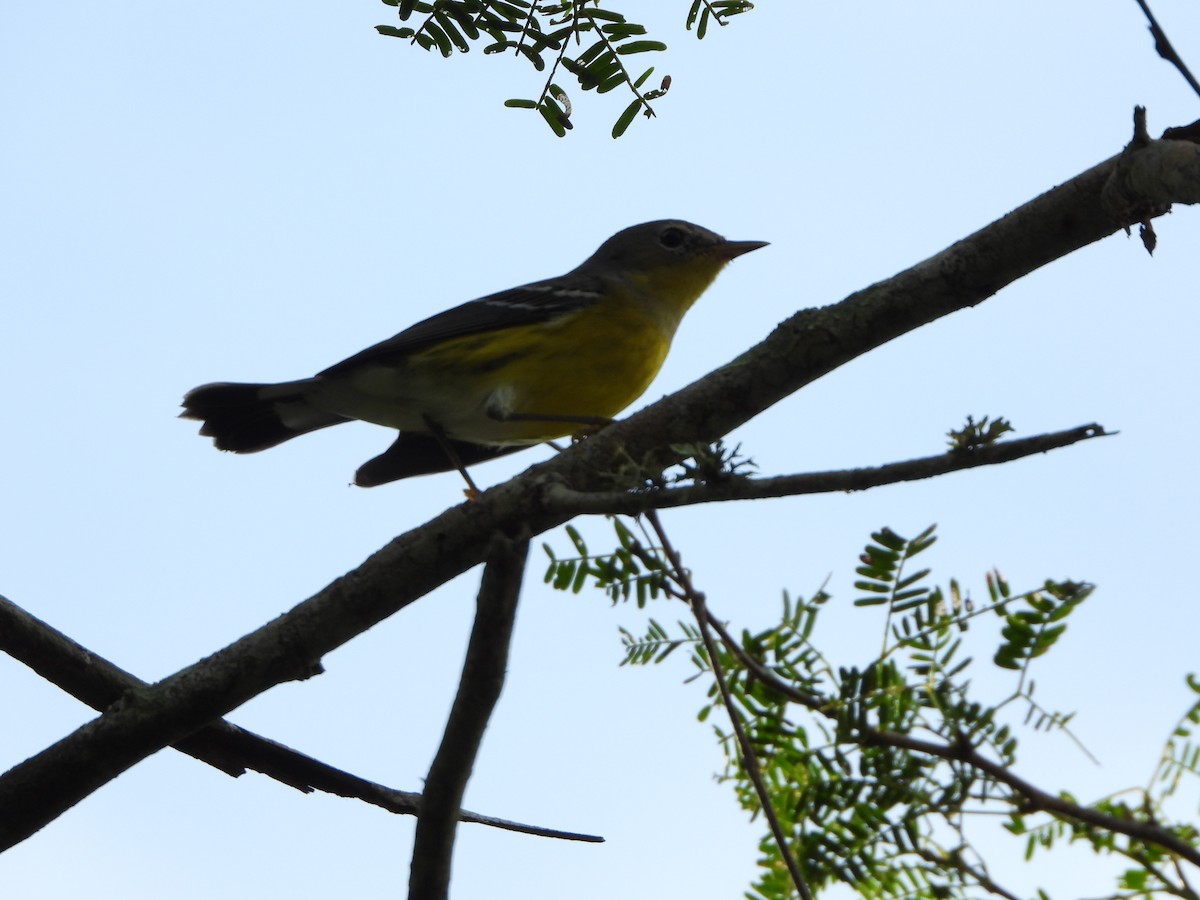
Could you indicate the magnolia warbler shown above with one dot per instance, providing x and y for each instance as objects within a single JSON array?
[{"x": 492, "y": 376}]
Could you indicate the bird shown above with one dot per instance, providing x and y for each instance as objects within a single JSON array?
[{"x": 557, "y": 357}]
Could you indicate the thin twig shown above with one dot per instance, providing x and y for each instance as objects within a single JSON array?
[
  {"x": 608, "y": 45},
  {"x": 478, "y": 691},
  {"x": 716, "y": 13},
  {"x": 746, "y": 749},
  {"x": 1183, "y": 879},
  {"x": 559, "y": 496},
  {"x": 1163, "y": 45},
  {"x": 94, "y": 680},
  {"x": 955, "y": 861},
  {"x": 1174, "y": 890},
  {"x": 562, "y": 51}
]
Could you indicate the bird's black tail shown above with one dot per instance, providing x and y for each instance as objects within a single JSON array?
[{"x": 246, "y": 418}]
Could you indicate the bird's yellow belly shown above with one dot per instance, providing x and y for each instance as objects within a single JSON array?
[{"x": 491, "y": 388}]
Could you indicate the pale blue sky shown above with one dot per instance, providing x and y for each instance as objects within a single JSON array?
[{"x": 253, "y": 192}]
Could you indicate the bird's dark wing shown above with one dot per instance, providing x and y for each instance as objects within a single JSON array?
[
  {"x": 421, "y": 454},
  {"x": 527, "y": 305}
]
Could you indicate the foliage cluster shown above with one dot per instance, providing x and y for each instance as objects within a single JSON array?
[
  {"x": 593, "y": 44},
  {"x": 875, "y": 768}
]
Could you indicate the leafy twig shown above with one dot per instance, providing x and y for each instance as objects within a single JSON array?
[
  {"x": 628, "y": 79},
  {"x": 1035, "y": 798},
  {"x": 749, "y": 761}
]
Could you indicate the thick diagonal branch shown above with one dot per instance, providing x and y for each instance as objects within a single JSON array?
[{"x": 799, "y": 351}]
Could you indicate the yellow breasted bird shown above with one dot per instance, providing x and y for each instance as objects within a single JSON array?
[{"x": 500, "y": 373}]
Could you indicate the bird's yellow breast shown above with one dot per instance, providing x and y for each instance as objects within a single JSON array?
[{"x": 589, "y": 365}]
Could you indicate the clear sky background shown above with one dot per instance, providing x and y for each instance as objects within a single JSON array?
[{"x": 230, "y": 191}]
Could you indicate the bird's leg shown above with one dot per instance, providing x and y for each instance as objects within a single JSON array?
[{"x": 440, "y": 436}]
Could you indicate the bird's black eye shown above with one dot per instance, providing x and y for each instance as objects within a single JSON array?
[{"x": 671, "y": 237}]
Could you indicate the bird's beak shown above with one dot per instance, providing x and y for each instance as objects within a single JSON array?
[{"x": 733, "y": 249}]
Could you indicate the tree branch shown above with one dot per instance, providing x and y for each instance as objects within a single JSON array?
[
  {"x": 1162, "y": 44},
  {"x": 955, "y": 861},
  {"x": 966, "y": 753},
  {"x": 478, "y": 691},
  {"x": 91, "y": 678},
  {"x": 564, "y": 499},
  {"x": 800, "y": 350},
  {"x": 695, "y": 600},
  {"x": 1035, "y": 797}
]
